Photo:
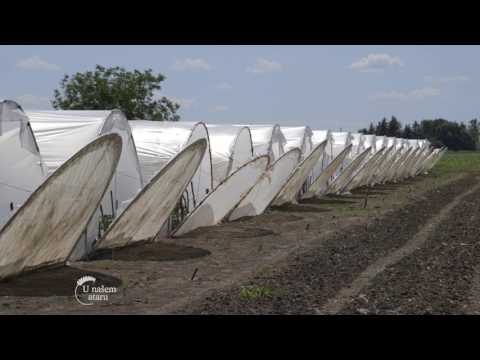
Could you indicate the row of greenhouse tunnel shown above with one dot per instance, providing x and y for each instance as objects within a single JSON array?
[{"x": 76, "y": 182}]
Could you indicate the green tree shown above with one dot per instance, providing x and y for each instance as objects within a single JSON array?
[
  {"x": 474, "y": 131},
  {"x": 132, "y": 92},
  {"x": 382, "y": 128},
  {"x": 408, "y": 132},
  {"x": 394, "y": 128}
]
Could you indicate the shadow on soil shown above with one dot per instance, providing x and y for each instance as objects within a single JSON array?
[
  {"x": 299, "y": 208},
  {"x": 60, "y": 281},
  {"x": 151, "y": 251}
]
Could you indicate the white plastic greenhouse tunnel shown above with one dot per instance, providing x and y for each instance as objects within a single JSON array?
[
  {"x": 219, "y": 203},
  {"x": 340, "y": 140},
  {"x": 300, "y": 137},
  {"x": 60, "y": 134},
  {"x": 292, "y": 190},
  {"x": 231, "y": 147},
  {"x": 143, "y": 219},
  {"x": 21, "y": 166},
  {"x": 267, "y": 140},
  {"x": 321, "y": 184},
  {"x": 319, "y": 136},
  {"x": 369, "y": 141},
  {"x": 341, "y": 182},
  {"x": 47, "y": 227},
  {"x": 268, "y": 186},
  {"x": 157, "y": 142}
]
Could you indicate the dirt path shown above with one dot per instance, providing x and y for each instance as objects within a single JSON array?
[
  {"x": 290, "y": 260},
  {"x": 345, "y": 295}
]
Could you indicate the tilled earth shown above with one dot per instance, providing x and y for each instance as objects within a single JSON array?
[
  {"x": 406, "y": 248},
  {"x": 356, "y": 271}
]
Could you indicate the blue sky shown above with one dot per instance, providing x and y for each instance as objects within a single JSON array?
[{"x": 336, "y": 87}]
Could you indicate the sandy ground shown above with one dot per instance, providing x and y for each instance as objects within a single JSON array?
[{"x": 334, "y": 255}]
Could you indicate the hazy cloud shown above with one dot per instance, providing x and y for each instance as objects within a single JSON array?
[
  {"x": 376, "y": 62},
  {"x": 263, "y": 66},
  {"x": 36, "y": 63},
  {"x": 191, "y": 64}
]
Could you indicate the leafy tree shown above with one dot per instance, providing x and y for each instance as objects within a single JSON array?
[{"x": 116, "y": 88}]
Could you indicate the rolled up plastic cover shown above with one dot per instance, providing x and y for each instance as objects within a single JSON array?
[
  {"x": 341, "y": 181},
  {"x": 319, "y": 136},
  {"x": 218, "y": 204},
  {"x": 146, "y": 214},
  {"x": 365, "y": 171},
  {"x": 290, "y": 191},
  {"x": 44, "y": 231},
  {"x": 321, "y": 184},
  {"x": 268, "y": 186}
]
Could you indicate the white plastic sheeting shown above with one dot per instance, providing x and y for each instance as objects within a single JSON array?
[
  {"x": 60, "y": 134},
  {"x": 319, "y": 136},
  {"x": 44, "y": 231},
  {"x": 216, "y": 206},
  {"x": 298, "y": 137},
  {"x": 158, "y": 142},
  {"x": 343, "y": 180},
  {"x": 231, "y": 148},
  {"x": 267, "y": 140},
  {"x": 366, "y": 171},
  {"x": 144, "y": 217},
  {"x": 371, "y": 142},
  {"x": 268, "y": 186},
  {"x": 340, "y": 140},
  {"x": 290, "y": 191},
  {"x": 321, "y": 184},
  {"x": 21, "y": 166},
  {"x": 358, "y": 142}
]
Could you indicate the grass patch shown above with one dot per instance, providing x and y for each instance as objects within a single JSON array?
[
  {"x": 254, "y": 292},
  {"x": 457, "y": 161}
]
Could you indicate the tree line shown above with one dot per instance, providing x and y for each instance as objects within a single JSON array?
[{"x": 440, "y": 132}]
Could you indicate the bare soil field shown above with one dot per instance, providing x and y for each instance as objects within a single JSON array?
[{"x": 408, "y": 248}]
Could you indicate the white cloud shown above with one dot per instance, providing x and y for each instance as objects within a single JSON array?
[
  {"x": 446, "y": 79},
  {"x": 263, "y": 66},
  {"x": 376, "y": 62},
  {"x": 219, "y": 108},
  {"x": 191, "y": 64},
  {"x": 416, "y": 94},
  {"x": 35, "y": 102},
  {"x": 223, "y": 86},
  {"x": 36, "y": 63}
]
